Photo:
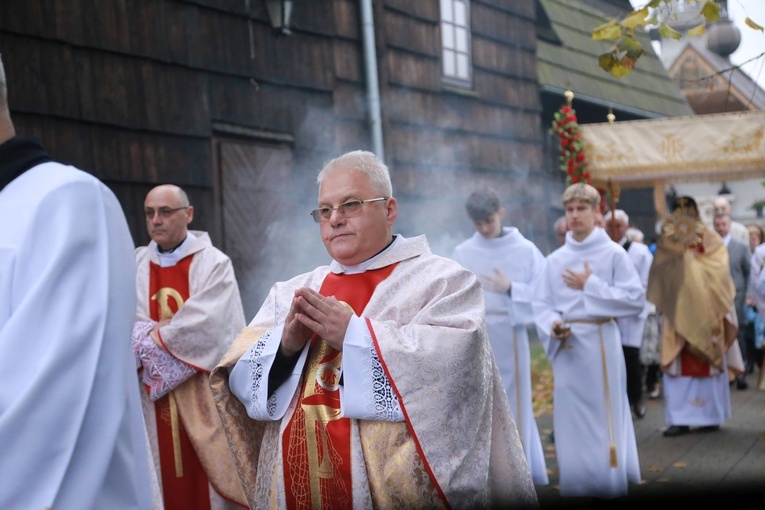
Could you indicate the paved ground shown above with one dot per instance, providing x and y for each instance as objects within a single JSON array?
[{"x": 725, "y": 468}]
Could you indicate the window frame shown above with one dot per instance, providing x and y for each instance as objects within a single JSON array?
[{"x": 453, "y": 53}]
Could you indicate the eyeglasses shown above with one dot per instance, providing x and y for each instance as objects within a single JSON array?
[
  {"x": 164, "y": 212},
  {"x": 347, "y": 209}
]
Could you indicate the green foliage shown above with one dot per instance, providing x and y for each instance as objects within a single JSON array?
[{"x": 621, "y": 58}]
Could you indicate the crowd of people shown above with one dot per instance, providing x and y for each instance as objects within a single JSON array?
[{"x": 391, "y": 378}]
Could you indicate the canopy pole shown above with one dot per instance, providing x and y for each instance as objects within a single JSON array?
[{"x": 660, "y": 198}]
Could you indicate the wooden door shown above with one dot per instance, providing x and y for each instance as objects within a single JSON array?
[{"x": 255, "y": 204}]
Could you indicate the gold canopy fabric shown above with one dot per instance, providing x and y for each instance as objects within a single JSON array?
[{"x": 726, "y": 146}]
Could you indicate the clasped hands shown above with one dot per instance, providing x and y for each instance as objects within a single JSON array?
[{"x": 310, "y": 313}]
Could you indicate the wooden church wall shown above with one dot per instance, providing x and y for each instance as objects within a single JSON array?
[{"x": 143, "y": 92}]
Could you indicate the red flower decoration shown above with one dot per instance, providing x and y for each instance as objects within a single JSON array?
[{"x": 573, "y": 160}]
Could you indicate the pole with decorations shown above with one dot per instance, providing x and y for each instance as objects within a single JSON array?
[{"x": 573, "y": 159}]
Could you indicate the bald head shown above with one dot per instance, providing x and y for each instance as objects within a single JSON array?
[
  {"x": 168, "y": 214},
  {"x": 170, "y": 190}
]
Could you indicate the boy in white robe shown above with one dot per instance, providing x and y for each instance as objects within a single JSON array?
[
  {"x": 508, "y": 266},
  {"x": 588, "y": 282}
]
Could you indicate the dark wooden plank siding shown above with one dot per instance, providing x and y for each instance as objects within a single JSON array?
[
  {"x": 442, "y": 143},
  {"x": 137, "y": 91},
  {"x": 410, "y": 70},
  {"x": 415, "y": 35}
]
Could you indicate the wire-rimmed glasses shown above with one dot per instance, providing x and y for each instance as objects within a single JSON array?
[
  {"x": 346, "y": 209},
  {"x": 163, "y": 212}
]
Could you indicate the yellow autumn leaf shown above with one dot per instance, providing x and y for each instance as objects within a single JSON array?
[
  {"x": 610, "y": 31},
  {"x": 711, "y": 11},
  {"x": 631, "y": 46},
  {"x": 620, "y": 70},
  {"x": 606, "y": 61},
  {"x": 667, "y": 31},
  {"x": 680, "y": 464},
  {"x": 635, "y": 18},
  {"x": 752, "y": 24},
  {"x": 698, "y": 30},
  {"x": 628, "y": 63}
]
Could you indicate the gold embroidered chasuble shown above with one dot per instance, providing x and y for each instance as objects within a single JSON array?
[
  {"x": 200, "y": 332},
  {"x": 690, "y": 284},
  {"x": 458, "y": 446}
]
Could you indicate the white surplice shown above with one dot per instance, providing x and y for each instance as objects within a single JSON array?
[
  {"x": 507, "y": 317},
  {"x": 591, "y": 413},
  {"x": 71, "y": 428},
  {"x": 631, "y": 328},
  {"x": 416, "y": 362}
]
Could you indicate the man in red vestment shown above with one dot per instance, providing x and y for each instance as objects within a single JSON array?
[
  {"x": 189, "y": 311},
  {"x": 370, "y": 383}
]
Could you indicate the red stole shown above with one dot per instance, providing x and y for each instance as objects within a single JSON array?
[
  {"x": 184, "y": 482},
  {"x": 317, "y": 440},
  {"x": 693, "y": 366}
]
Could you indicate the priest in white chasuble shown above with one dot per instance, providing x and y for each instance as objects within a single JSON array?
[{"x": 370, "y": 382}]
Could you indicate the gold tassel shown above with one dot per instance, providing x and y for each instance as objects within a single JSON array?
[
  {"x": 613, "y": 456},
  {"x": 176, "y": 437}
]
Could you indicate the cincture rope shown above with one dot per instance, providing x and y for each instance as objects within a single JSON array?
[
  {"x": 609, "y": 411},
  {"x": 518, "y": 420}
]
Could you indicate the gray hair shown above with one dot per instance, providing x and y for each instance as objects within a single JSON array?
[
  {"x": 365, "y": 162},
  {"x": 619, "y": 215}
]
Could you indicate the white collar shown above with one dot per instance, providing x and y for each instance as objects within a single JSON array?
[
  {"x": 337, "y": 267},
  {"x": 172, "y": 258}
]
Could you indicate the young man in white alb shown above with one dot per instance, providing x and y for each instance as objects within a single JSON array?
[{"x": 588, "y": 283}]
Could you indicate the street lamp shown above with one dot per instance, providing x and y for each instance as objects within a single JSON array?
[{"x": 280, "y": 12}]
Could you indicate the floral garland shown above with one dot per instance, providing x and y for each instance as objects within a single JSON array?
[{"x": 573, "y": 160}]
